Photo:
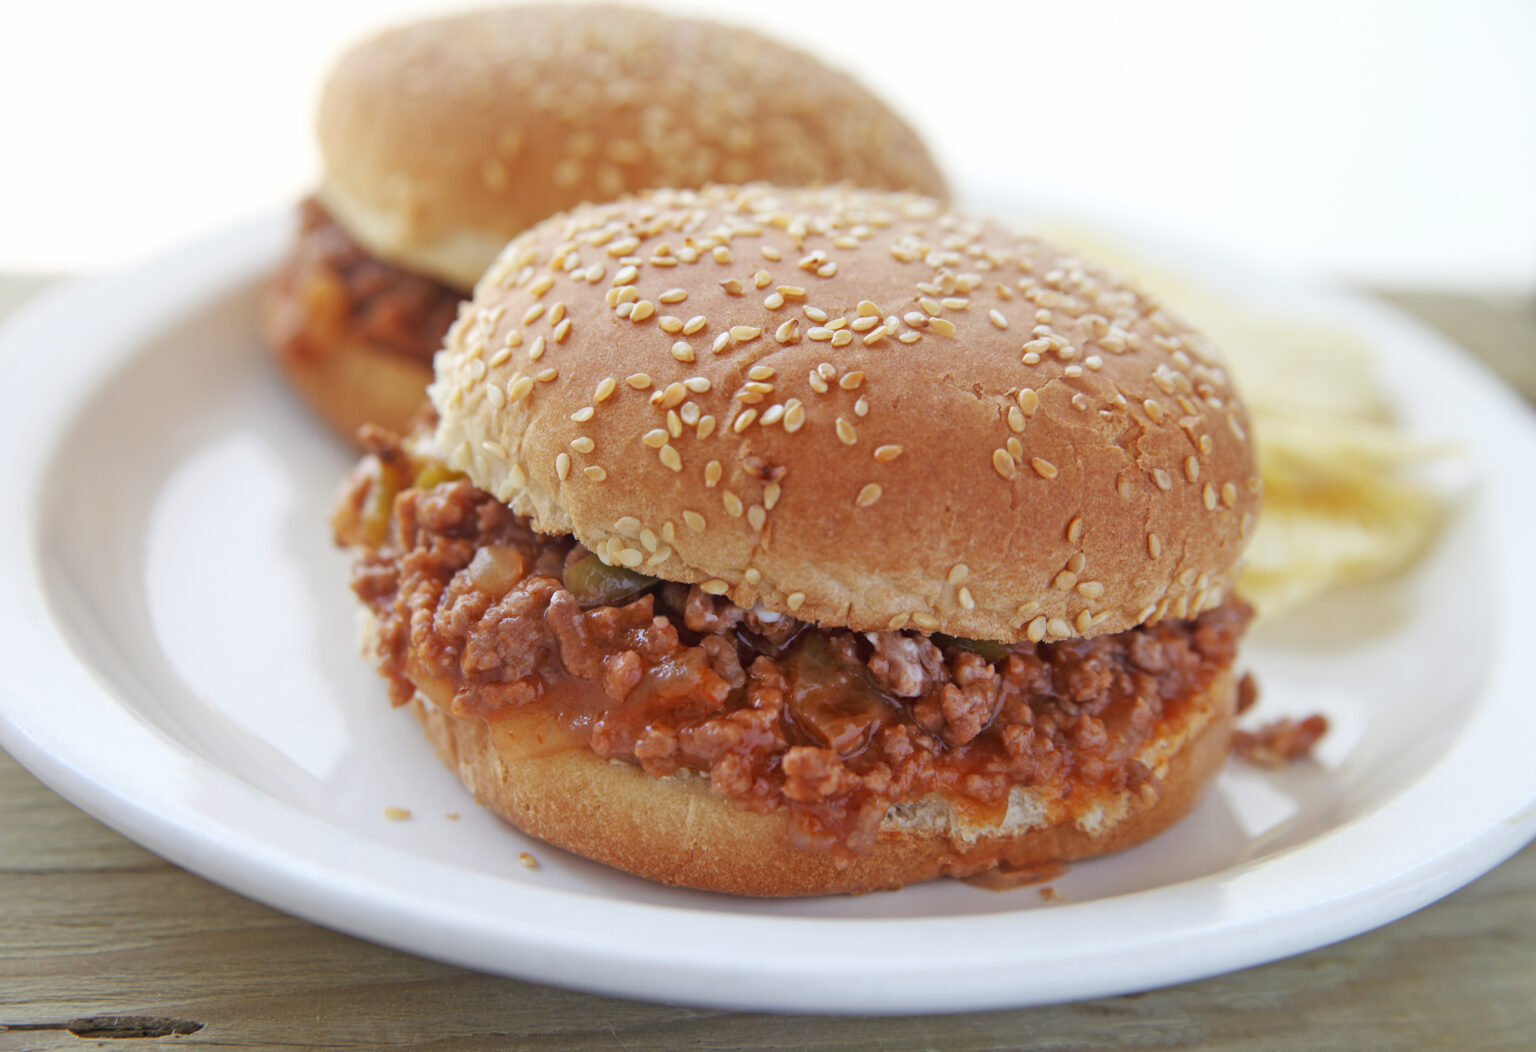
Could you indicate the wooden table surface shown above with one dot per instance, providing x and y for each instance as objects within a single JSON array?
[{"x": 101, "y": 940}]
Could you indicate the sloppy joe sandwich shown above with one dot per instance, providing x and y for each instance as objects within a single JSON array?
[
  {"x": 785, "y": 542},
  {"x": 443, "y": 139}
]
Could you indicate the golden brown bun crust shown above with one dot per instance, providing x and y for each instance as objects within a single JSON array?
[
  {"x": 354, "y": 384},
  {"x": 1052, "y": 455},
  {"x": 675, "y": 831},
  {"x": 443, "y": 139}
]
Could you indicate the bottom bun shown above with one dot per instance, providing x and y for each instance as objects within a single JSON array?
[
  {"x": 674, "y": 830},
  {"x": 352, "y": 384}
]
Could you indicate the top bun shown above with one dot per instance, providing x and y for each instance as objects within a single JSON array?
[
  {"x": 856, "y": 407},
  {"x": 443, "y": 139}
]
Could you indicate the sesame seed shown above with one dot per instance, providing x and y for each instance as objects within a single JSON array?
[
  {"x": 670, "y": 457},
  {"x": 1084, "y": 619},
  {"x": 861, "y": 407},
  {"x": 1028, "y": 401},
  {"x": 772, "y": 415},
  {"x": 495, "y": 396},
  {"x": 743, "y": 420},
  {"x": 942, "y": 326},
  {"x": 851, "y": 381},
  {"x": 845, "y": 432},
  {"x": 722, "y": 343},
  {"x": 1015, "y": 448},
  {"x": 582, "y": 444},
  {"x": 868, "y": 495},
  {"x": 673, "y": 296},
  {"x": 964, "y": 595},
  {"x": 721, "y": 254},
  {"x": 1044, "y": 468},
  {"x": 1075, "y": 530},
  {"x": 733, "y": 506},
  {"x": 827, "y": 270},
  {"x": 674, "y": 424},
  {"x": 542, "y": 284},
  {"x": 519, "y": 388},
  {"x": 1077, "y": 562},
  {"x": 655, "y": 438},
  {"x": 819, "y": 333},
  {"x": 752, "y": 575},
  {"x": 531, "y": 315},
  {"x": 626, "y": 276},
  {"x": 711, "y": 473},
  {"x": 760, "y": 372},
  {"x": 927, "y": 622},
  {"x": 595, "y": 473},
  {"x": 816, "y": 314},
  {"x": 792, "y": 292},
  {"x": 714, "y": 586},
  {"x": 817, "y": 383},
  {"x": 1153, "y": 410},
  {"x": 771, "y": 494},
  {"x": 1058, "y": 628},
  {"x": 668, "y": 324},
  {"x": 694, "y": 521},
  {"x": 518, "y": 477},
  {"x": 1162, "y": 479},
  {"x": 1003, "y": 463},
  {"x": 1154, "y": 546},
  {"x": 1065, "y": 581},
  {"x": 643, "y": 310},
  {"x": 605, "y": 388},
  {"x": 770, "y": 253},
  {"x": 639, "y": 381},
  {"x": 794, "y": 600},
  {"x": 733, "y": 287},
  {"x": 958, "y": 573},
  {"x": 683, "y": 352},
  {"x": 1036, "y": 630},
  {"x": 563, "y": 465},
  {"x": 706, "y": 427},
  {"x": 794, "y": 417},
  {"x": 756, "y": 517},
  {"x": 1228, "y": 494},
  {"x": 546, "y": 376},
  {"x": 1191, "y": 468},
  {"x": 997, "y": 318},
  {"x": 692, "y": 326},
  {"x": 761, "y": 279},
  {"x": 1090, "y": 589},
  {"x": 1209, "y": 497}
]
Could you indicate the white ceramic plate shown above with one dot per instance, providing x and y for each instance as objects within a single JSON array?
[{"x": 179, "y": 662}]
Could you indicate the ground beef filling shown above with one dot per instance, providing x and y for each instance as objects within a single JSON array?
[
  {"x": 831, "y": 725},
  {"x": 333, "y": 291}
]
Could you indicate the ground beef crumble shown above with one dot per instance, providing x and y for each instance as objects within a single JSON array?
[
  {"x": 829, "y": 724},
  {"x": 331, "y": 290}
]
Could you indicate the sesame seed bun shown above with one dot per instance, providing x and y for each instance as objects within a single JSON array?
[
  {"x": 675, "y": 831},
  {"x": 855, "y": 407},
  {"x": 443, "y": 139}
]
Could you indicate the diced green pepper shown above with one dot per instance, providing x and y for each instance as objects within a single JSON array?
[{"x": 594, "y": 583}]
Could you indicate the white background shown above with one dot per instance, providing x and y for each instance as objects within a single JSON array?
[{"x": 1366, "y": 140}]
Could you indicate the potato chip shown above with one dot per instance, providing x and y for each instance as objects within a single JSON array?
[{"x": 1343, "y": 501}]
